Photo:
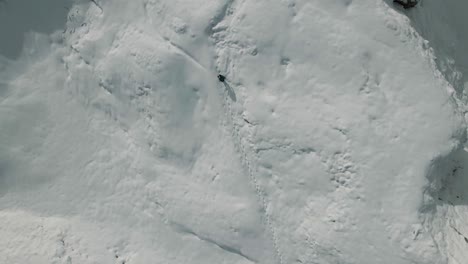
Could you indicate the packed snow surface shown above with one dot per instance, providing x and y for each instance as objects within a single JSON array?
[{"x": 338, "y": 136}]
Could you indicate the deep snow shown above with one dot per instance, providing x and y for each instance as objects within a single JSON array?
[{"x": 338, "y": 137}]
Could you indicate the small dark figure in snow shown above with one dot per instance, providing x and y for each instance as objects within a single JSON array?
[
  {"x": 221, "y": 78},
  {"x": 406, "y": 4}
]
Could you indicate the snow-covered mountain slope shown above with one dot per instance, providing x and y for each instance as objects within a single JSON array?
[
  {"x": 443, "y": 25},
  {"x": 337, "y": 138}
]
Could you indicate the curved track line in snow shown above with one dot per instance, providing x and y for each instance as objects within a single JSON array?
[
  {"x": 249, "y": 168},
  {"x": 186, "y": 54}
]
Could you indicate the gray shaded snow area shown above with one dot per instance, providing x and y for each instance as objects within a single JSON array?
[
  {"x": 338, "y": 135},
  {"x": 19, "y": 17}
]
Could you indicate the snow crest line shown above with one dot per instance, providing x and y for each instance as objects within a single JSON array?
[{"x": 230, "y": 118}]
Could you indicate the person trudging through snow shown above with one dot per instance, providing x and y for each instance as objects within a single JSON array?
[
  {"x": 406, "y": 3},
  {"x": 221, "y": 78}
]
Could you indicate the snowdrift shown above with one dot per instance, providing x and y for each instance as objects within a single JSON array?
[
  {"x": 442, "y": 25},
  {"x": 338, "y": 136}
]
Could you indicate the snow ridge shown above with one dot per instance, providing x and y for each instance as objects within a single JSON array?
[{"x": 249, "y": 169}]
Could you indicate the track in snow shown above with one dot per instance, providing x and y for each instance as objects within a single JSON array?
[
  {"x": 249, "y": 168},
  {"x": 230, "y": 125}
]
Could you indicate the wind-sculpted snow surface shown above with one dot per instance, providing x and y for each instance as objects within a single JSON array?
[
  {"x": 328, "y": 142},
  {"x": 443, "y": 25}
]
